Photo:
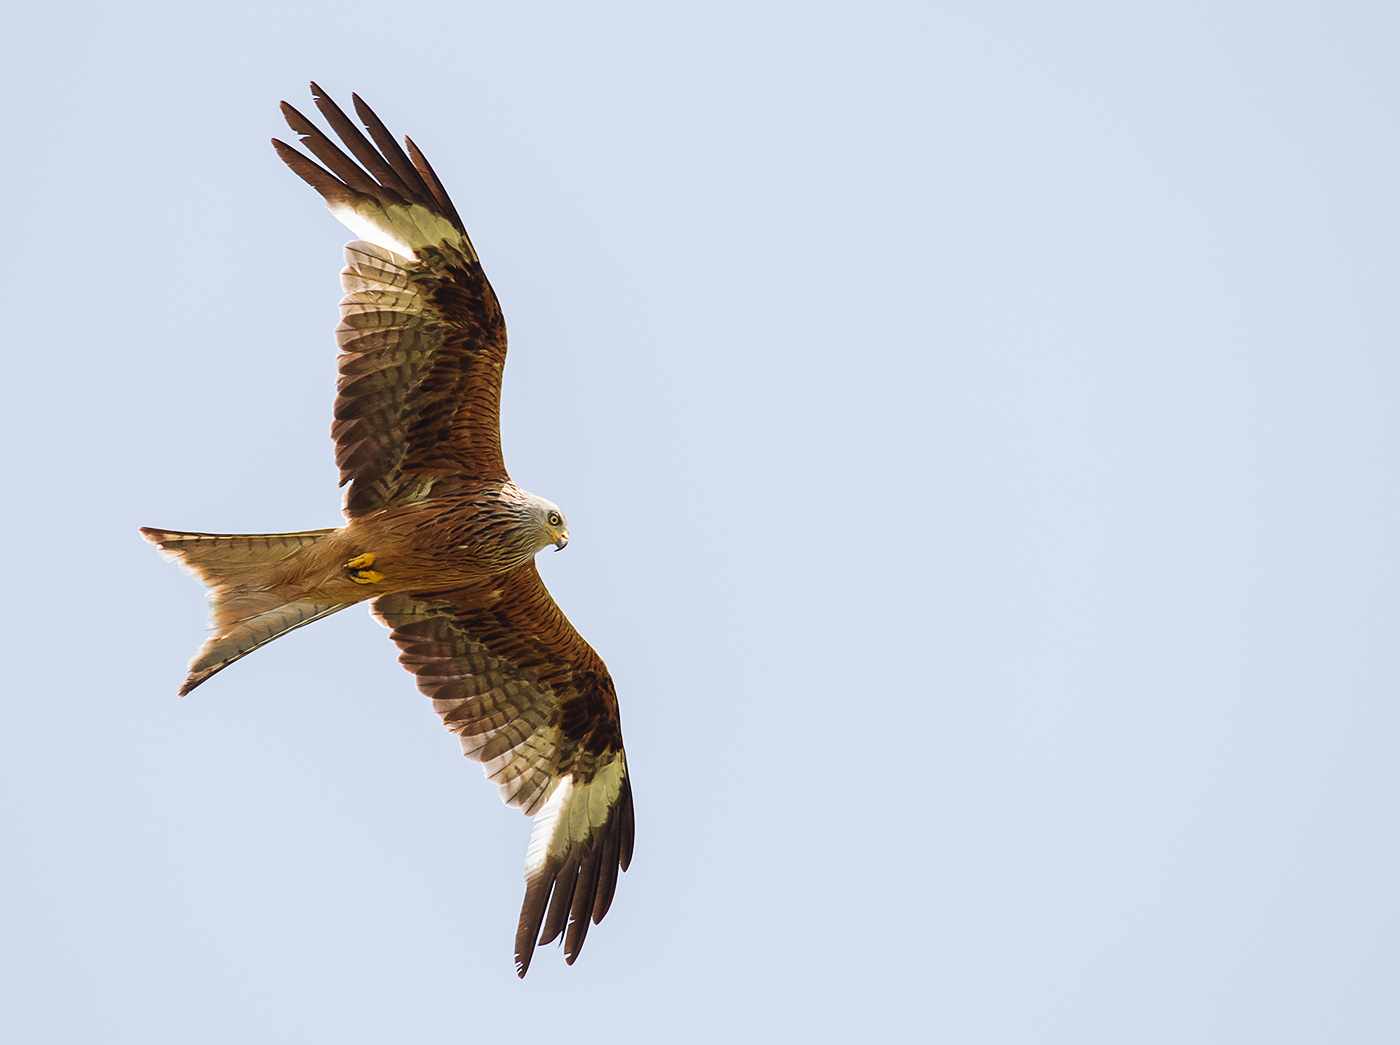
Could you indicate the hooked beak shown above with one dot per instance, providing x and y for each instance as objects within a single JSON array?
[{"x": 559, "y": 544}]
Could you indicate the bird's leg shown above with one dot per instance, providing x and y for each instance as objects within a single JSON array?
[{"x": 360, "y": 571}]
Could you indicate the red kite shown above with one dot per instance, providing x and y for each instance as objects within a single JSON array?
[{"x": 436, "y": 534}]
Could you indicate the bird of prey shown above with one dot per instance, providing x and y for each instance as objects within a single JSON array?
[{"x": 436, "y": 534}]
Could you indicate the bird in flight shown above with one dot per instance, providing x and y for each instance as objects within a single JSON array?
[{"x": 436, "y": 534}]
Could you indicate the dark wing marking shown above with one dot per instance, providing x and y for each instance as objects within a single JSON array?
[
  {"x": 422, "y": 337},
  {"x": 532, "y": 701}
]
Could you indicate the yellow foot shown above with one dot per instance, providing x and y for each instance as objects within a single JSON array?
[{"x": 360, "y": 572}]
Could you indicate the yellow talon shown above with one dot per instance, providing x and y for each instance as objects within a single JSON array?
[{"x": 360, "y": 572}]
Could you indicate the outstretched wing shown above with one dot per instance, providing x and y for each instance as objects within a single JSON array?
[
  {"x": 532, "y": 702},
  {"x": 421, "y": 333}
]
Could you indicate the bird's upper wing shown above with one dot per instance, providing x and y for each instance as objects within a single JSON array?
[
  {"x": 533, "y": 702},
  {"x": 421, "y": 334}
]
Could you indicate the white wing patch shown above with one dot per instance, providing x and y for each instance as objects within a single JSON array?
[
  {"x": 398, "y": 227},
  {"x": 545, "y": 823},
  {"x": 573, "y": 814}
]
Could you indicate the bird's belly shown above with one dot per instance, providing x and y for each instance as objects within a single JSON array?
[{"x": 427, "y": 547}]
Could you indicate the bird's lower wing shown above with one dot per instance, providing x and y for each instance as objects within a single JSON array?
[{"x": 533, "y": 703}]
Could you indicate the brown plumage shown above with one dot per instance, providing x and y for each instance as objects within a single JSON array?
[{"x": 436, "y": 533}]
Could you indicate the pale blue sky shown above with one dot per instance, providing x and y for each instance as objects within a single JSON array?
[{"x": 978, "y": 428}]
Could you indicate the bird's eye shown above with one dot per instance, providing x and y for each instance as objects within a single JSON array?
[{"x": 554, "y": 519}]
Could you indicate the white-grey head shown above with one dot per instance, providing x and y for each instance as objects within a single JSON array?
[
  {"x": 554, "y": 527},
  {"x": 515, "y": 526}
]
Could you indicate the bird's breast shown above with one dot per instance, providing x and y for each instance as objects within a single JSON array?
[{"x": 442, "y": 542}]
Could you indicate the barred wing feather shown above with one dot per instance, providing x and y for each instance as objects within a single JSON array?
[
  {"x": 532, "y": 702},
  {"x": 422, "y": 338}
]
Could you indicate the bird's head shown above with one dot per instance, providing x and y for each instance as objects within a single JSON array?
[
  {"x": 554, "y": 526},
  {"x": 530, "y": 524}
]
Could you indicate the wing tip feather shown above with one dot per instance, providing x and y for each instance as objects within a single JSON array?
[
  {"x": 585, "y": 825},
  {"x": 565, "y": 893}
]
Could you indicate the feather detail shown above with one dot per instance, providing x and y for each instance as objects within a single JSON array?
[
  {"x": 580, "y": 839},
  {"x": 533, "y": 703},
  {"x": 377, "y": 192},
  {"x": 246, "y": 610}
]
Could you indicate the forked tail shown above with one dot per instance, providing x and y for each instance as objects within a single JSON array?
[{"x": 245, "y": 610}]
